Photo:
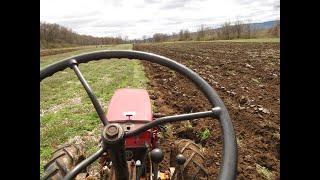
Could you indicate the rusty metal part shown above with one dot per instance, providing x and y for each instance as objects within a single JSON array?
[
  {"x": 112, "y": 131},
  {"x": 131, "y": 170}
]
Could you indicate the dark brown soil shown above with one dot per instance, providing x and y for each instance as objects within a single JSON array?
[{"x": 247, "y": 78}]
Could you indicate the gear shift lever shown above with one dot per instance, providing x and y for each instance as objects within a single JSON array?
[
  {"x": 156, "y": 157},
  {"x": 180, "y": 160}
]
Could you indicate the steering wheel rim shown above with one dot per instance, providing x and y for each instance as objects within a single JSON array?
[{"x": 229, "y": 161}]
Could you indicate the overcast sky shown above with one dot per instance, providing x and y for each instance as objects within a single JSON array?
[{"x": 135, "y": 18}]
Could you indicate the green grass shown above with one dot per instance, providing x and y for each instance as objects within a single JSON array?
[
  {"x": 65, "y": 109},
  {"x": 204, "y": 135},
  {"x": 47, "y": 60},
  {"x": 80, "y": 47}
]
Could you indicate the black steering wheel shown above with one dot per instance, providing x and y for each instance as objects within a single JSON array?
[{"x": 113, "y": 136}]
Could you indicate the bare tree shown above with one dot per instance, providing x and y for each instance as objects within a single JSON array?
[
  {"x": 247, "y": 31},
  {"x": 54, "y": 34},
  {"x": 201, "y": 33},
  {"x": 144, "y": 38},
  {"x": 238, "y": 25},
  {"x": 186, "y": 35},
  {"x": 181, "y": 35},
  {"x": 126, "y": 38},
  {"x": 159, "y": 37},
  {"x": 226, "y": 30},
  {"x": 275, "y": 30}
]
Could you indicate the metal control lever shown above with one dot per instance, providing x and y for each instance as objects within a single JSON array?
[
  {"x": 138, "y": 166},
  {"x": 156, "y": 156},
  {"x": 180, "y": 160}
]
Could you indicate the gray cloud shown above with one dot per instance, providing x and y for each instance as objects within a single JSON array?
[
  {"x": 246, "y": 1},
  {"x": 277, "y": 6},
  {"x": 173, "y": 4},
  {"x": 152, "y": 1},
  {"x": 116, "y": 3},
  {"x": 100, "y": 24},
  {"x": 76, "y": 22},
  {"x": 82, "y": 15},
  {"x": 144, "y": 20}
]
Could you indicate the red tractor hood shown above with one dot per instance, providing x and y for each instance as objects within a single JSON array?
[{"x": 130, "y": 105}]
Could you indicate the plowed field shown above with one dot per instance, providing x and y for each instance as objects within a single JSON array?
[{"x": 247, "y": 78}]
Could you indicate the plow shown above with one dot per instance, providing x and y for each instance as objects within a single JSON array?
[{"x": 129, "y": 143}]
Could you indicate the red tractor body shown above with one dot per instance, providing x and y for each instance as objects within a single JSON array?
[{"x": 132, "y": 109}]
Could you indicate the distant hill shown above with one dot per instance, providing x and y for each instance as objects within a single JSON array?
[
  {"x": 265, "y": 25},
  {"x": 228, "y": 30}
]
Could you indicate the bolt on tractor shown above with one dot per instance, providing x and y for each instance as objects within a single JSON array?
[{"x": 129, "y": 140}]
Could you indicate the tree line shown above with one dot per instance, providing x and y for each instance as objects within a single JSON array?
[
  {"x": 227, "y": 31},
  {"x": 55, "y": 35}
]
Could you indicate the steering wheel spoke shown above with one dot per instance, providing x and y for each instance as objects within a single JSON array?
[
  {"x": 83, "y": 164},
  {"x": 90, "y": 93},
  {"x": 168, "y": 119}
]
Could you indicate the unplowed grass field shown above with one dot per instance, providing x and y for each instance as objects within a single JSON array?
[{"x": 66, "y": 112}]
